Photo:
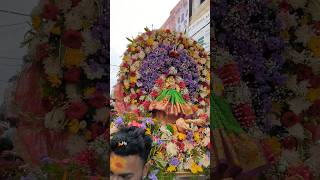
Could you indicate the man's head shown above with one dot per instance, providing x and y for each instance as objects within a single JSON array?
[{"x": 130, "y": 148}]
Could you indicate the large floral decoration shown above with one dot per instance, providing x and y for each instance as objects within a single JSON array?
[
  {"x": 173, "y": 151},
  {"x": 150, "y": 55},
  {"x": 68, "y": 42}
]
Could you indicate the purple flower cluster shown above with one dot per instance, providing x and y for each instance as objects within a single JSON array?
[
  {"x": 100, "y": 31},
  {"x": 250, "y": 30},
  {"x": 159, "y": 61}
]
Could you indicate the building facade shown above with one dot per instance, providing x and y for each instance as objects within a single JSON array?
[{"x": 193, "y": 18}]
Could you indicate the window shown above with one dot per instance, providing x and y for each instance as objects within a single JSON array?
[{"x": 201, "y": 1}]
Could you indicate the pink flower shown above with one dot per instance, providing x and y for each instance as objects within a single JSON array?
[
  {"x": 72, "y": 75},
  {"x": 76, "y": 110},
  {"x": 50, "y": 12},
  {"x": 133, "y": 96},
  {"x": 42, "y": 51},
  {"x": 72, "y": 39},
  {"x": 97, "y": 100},
  {"x": 301, "y": 170},
  {"x": 146, "y": 104}
]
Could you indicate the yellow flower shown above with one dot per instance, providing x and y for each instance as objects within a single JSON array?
[
  {"x": 88, "y": 91},
  {"x": 56, "y": 30},
  {"x": 74, "y": 126},
  {"x": 149, "y": 41},
  {"x": 148, "y": 131},
  {"x": 196, "y": 136},
  {"x": 181, "y": 136},
  {"x": 274, "y": 144},
  {"x": 196, "y": 168},
  {"x": 171, "y": 168},
  {"x": 73, "y": 57},
  {"x": 36, "y": 23},
  {"x": 284, "y": 34},
  {"x": 125, "y": 58},
  {"x": 133, "y": 79},
  {"x": 54, "y": 80},
  {"x": 126, "y": 84},
  {"x": 314, "y": 45},
  {"x": 313, "y": 95},
  {"x": 88, "y": 135}
]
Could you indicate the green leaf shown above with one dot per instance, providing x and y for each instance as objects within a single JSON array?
[
  {"x": 130, "y": 40},
  {"x": 146, "y": 29},
  {"x": 169, "y": 127}
]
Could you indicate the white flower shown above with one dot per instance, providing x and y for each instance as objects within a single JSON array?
[
  {"x": 288, "y": 20},
  {"x": 93, "y": 73},
  {"x": 72, "y": 92},
  {"x": 314, "y": 161},
  {"x": 76, "y": 144},
  {"x": 47, "y": 27},
  {"x": 73, "y": 20},
  {"x": 172, "y": 70},
  {"x": 315, "y": 65},
  {"x": 297, "y": 131},
  {"x": 52, "y": 66},
  {"x": 205, "y": 160},
  {"x": 298, "y": 105},
  {"x": 304, "y": 34},
  {"x": 293, "y": 55},
  {"x": 126, "y": 99},
  {"x": 313, "y": 8},
  {"x": 172, "y": 149},
  {"x": 297, "y": 3},
  {"x": 291, "y": 157},
  {"x": 141, "y": 55},
  {"x": 37, "y": 10},
  {"x": 101, "y": 115},
  {"x": 300, "y": 89},
  {"x": 55, "y": 119},
  {"x": 90, "y": 44},
  {"x": 87, "y": 9},
  {"x": 64, "y": 5}
]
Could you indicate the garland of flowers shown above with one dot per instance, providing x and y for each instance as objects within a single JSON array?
[
  {"x": 69, "y": 42},
  {"x": 172, "y": 151},
  {"x": 249, "y": 30},
  {"x": 295, "y": 113},
  {"x": 139, "y": 70}
]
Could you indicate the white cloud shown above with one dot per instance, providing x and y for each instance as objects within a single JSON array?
[{"x": 128, "y": 19}]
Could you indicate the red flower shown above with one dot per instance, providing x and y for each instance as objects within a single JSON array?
[
  {"x": 72, "y": 75},
  {"x": 182, "y": 85},
  {"x": 134, "y": 123},
  {"x": 133, "y": 96},
  {"x": 72, "y": 39},
  {"x": 96, "y": 130},
  {"x": 76, "y": 110},
  {"x": 75, "y": 2},
  {"x": 316, "y": 28},
  {"x": 186, "y": 97},
  {"x": 289, "y": 119},
  {"x": 289, "y": 142},
  {"x": 42, "y": 51},
  {"x": 304, "y": 72},
  {"x": 87, "y": 158},
  {"x": 154, "y": 93},
  {"x": 300, "y": 171},
  {"x": 314, "y": 130},
  {"x": 314, "y": 109},
  {"x": 315, "y": 81},
  {"x": 139, "y": 93},
  {"x": 159, "y": 82},
  {"x": 50, "y": 12},
  {"x": 245, "y": 114},
  {"x": 146, "y": 104},
  {"x": 267, "y": 151},
  {"x": 137, "y": 112},
  {"x": 125, "y": 65},
  {"x": 180, "y": 145},
  {"x": 97, "y": 100},
  {"x": 229, "y": 74}
]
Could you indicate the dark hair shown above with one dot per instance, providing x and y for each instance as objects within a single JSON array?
[{"x": 137, "y": 142}]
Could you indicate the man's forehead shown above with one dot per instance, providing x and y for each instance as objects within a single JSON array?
[{"x": 125, "y": 164}]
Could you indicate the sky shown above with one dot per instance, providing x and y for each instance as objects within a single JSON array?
[
  {"x": 128, "y": 19},
  {"x": 11, "y": 37}
]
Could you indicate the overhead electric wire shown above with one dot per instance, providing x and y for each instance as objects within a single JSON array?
[
  {"x": 14, "y": 13},
  {"x": 14, "y": 24}
]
